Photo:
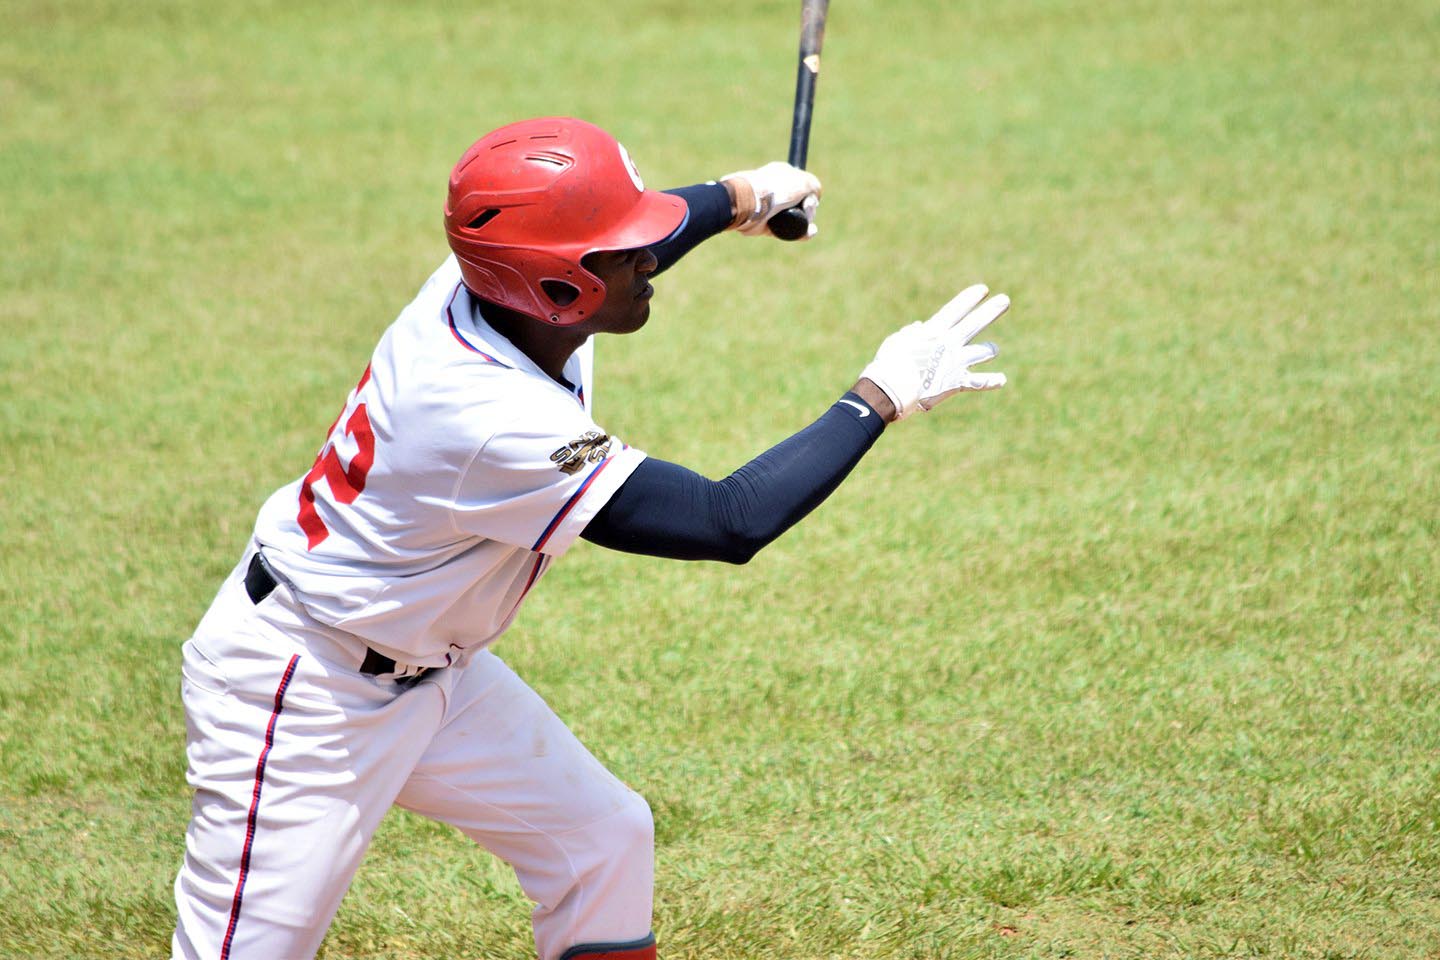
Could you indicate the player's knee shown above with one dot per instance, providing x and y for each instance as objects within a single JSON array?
[
  {"x": 633, "y": 828},
  {"x": 613, "y": 861},
  {"x": 623, "y": 846},
  {"x": 620, "y": 845}
]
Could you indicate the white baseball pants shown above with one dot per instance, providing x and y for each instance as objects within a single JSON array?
[{"x": 295, "y": 756}]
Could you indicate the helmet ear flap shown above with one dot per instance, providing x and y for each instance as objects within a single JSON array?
[{"x": 562, "y": 293}]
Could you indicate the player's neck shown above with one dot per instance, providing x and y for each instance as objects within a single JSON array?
[{"x": 547, "y": 346}]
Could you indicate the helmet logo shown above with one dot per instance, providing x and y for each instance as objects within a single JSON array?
[{"x": 630, "y": 167}]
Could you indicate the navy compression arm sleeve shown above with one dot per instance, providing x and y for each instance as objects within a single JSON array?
[
  {"x": 710, "y": 214},
  {"x": 665, "y": 510}
]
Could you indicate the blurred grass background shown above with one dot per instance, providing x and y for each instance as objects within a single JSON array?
[{"x": 1136, "y": 658}]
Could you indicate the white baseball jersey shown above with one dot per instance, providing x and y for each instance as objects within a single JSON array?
[{"x": 455, "y": 474}]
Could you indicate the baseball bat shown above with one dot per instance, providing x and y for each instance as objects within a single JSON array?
[{"x": 791, "y": 224}]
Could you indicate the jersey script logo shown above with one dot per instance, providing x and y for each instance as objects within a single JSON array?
[{"x": 592, "y": 447}]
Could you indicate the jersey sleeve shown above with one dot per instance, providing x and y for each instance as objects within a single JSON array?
[{"x": 539, "y": 479}]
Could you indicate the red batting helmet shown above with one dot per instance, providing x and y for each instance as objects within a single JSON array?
[{"x": 529, "y": 200}]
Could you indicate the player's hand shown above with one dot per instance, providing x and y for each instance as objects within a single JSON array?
[
  {"x": 760, "y": 194},
  {"x": 921, "y": 364}
]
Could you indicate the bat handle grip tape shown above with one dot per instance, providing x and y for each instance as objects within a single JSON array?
[{"x": 790, "y": 224}]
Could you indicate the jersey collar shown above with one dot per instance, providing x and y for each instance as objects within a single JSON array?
[{"x": 468, "y": 317}]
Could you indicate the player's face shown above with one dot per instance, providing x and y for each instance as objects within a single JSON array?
[{"x": 625, "y": 274}]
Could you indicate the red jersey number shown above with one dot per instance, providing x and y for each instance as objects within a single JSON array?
[{"x": 346, "y": 483}]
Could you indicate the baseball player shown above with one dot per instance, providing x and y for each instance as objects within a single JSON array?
[{"x": 344, "y": 667}]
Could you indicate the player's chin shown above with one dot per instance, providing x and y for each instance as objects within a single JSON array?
[{"x": 639, "y": 316}]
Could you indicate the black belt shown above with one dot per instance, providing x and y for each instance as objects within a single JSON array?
[{"x": 260, "y": 583}]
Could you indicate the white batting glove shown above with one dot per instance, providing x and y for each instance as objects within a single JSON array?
[
  {"x": 921, "y": 364},
  {"x": 760, "y": 194}
]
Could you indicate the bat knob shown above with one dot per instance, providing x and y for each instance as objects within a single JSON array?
[{"x": 791, "y": 224}]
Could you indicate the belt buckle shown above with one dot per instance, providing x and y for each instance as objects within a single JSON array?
[
  {"x": 376, "y": 664},
  {"x": 409, "y": 680}
]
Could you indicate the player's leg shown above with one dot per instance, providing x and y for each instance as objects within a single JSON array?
[
  {"x": 506, "y": 771},
  {"x": 640, "y": 950},
  {"x": 294, "y": 761}
]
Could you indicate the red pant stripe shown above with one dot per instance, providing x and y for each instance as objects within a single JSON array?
[{"x": 255, "y": 807}]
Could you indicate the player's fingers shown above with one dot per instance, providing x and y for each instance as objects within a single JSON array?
[
  {"x": 959, "y": 305},
  {"x": 981, "y": 317},
  {"x": 975, "y": 353},
  {"x": 986, "y": 381},
  {"x": 970, "y": 383}
]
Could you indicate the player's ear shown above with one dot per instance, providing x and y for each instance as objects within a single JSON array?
[{"x": 561, "y": 293}]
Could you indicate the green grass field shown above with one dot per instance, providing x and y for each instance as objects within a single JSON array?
[{"x": 1136, "y": 658}]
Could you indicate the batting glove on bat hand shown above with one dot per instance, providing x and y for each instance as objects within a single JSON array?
[
  {"x": 760, "y": 194},
  {"x": 921, "y": 364}
]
